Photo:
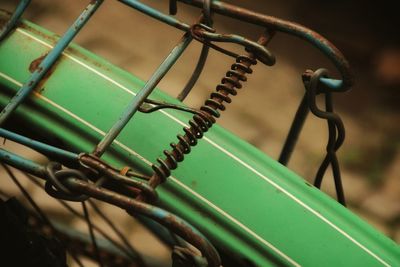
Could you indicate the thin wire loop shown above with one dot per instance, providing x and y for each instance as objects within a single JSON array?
[
  {"x": 335, "y": 129},
  {"x": 55, "y": 188}
]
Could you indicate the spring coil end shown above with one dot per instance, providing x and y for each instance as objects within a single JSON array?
[{"x": 206, "y": 117}]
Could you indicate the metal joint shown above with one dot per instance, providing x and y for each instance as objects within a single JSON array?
[
  {"x": 206, "y": 35},
  {"x": 55, "y": 187},
  {"x": 109, "y": 172}
]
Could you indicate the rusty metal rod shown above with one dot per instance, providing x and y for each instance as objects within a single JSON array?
[
  {"x": 49, "y": 60},
  {"x": 132, "y": 206},
  {"x": 280, "y": 25},
  {"x": 165, "y": 218}
]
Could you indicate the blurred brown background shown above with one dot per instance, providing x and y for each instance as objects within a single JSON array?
[{"x": 365, "y": 31}]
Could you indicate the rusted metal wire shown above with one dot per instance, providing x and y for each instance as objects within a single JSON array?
[
  {"x": 133, "y": 207},
  {"x": 206, "y": 35},
  {"x": 291, "y": 28},
  {"x": 66, "y": 183},
  {"x": 128, "y": 251},
  {"x": 210, "y": 111},
  {"x": 54, "y": 185},
  {"x": 110, "y": 172},
  {"x": 80, "y": 186}
]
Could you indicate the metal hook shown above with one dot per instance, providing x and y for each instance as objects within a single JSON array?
[
  {"x": 315, "y": 82},
  {"x": 336, "y": 133}
]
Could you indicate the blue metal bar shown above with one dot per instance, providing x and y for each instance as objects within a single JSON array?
[
  {"x": 332, "y": 83},
  {"x": 143, "y": 94},
  {"x": 22, "y": 163},
  {"x": 22, "y": 5},
  {"x": 156, "y": 14},
  {"x": 49, "y": 60},
  {"x": 46, "y": 149}
]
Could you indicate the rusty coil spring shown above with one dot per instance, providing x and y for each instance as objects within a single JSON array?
[{"x": 201, "y": 122}]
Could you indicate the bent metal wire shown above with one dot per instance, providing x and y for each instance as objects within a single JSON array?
[{"x": 88, "y": 177}]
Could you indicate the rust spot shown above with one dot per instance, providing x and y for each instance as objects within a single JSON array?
[
  {"x": 51, "y": 38},
  {"x": 35, "y": 64}
]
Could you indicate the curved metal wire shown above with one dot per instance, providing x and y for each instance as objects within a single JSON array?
[
  {"x": 65, "y": 183},
  {"x": 170, "y": 221},
  {"x": 201, "y": 123},
  {"x": 336, "y": 133},
  {"x": 165, "y": 218},
  {"x": 126, "y": 250},
  {"x": 203, "y": 54},
  {"x": 291, "y": 28}
]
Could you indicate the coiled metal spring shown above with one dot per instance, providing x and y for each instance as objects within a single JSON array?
[{"x": 203, "y": 120}]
